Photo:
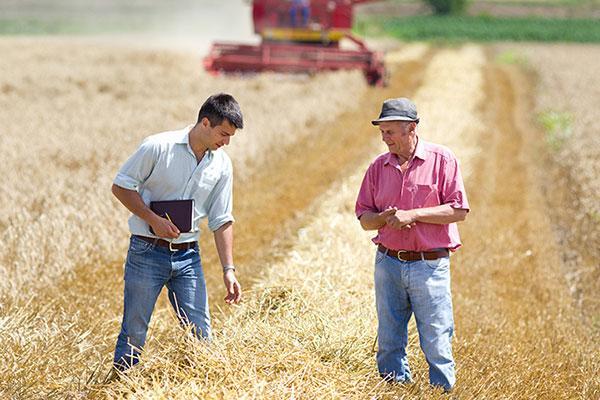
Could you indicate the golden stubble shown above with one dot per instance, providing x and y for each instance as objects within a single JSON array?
[
  {"x": 72, "y": 113},
  {"x": 64, "y": 297},
  {"x": 306, "y": 329},
  {"x": 567, "y": 89},
  {"x": 310, "y": 324}
]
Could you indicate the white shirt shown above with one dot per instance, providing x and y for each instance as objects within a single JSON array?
[{"x": 164, "y": 167}]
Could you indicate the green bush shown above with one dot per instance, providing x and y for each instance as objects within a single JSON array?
[
  {"x": 558, "y": 126},
  {"x": 448, "y": 6}
]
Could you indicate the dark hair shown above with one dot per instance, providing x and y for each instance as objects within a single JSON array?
[{"x": 219, "y": 107}]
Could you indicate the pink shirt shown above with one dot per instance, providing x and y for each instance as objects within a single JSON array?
[{"x": 432, "y": 178}]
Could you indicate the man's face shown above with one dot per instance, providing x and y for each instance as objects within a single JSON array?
[
  {"x": 400, "y": 136},
  {"x": 219, "y": 135}
]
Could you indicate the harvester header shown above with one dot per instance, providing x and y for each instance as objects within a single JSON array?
[{"x": 301, "y": 36}]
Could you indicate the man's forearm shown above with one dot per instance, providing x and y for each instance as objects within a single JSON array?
[
  {"x": 224, "y": 243},
  {"x": 371, "y": 220},
  {"x": 134, "y": 203},
  {"x": 132, "y": 200},
  {"x": 443, "y": 214}
]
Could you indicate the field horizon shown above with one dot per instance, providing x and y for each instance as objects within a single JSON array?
[{"x": 520, "y": 117}]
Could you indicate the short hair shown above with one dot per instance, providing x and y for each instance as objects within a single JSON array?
[{"x": 222, "y": 106}]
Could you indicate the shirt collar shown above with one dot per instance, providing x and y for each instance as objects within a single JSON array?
[
  {"x": 391, "y": 159},
  {"x": 183, "y": 136},
  {"x": 420, "y": 152}
]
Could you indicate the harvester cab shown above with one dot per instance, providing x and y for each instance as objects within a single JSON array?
[{"x": 301, "y": 36}]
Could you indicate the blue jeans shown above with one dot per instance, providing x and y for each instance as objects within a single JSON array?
[
  {"x": 147, "y": 269},
  {"x": 423, "y": 288}
]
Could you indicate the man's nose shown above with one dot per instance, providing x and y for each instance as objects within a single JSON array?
[{"x": 227, "y": 140}]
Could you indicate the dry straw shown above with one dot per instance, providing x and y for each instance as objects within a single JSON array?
[
  {"x": 306, "y": 329},
  {"x": 70, "y": 114},
  {"x": 566, "y": 102}
]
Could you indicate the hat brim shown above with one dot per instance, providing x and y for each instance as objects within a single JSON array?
[{"x": 393, "y": 118}]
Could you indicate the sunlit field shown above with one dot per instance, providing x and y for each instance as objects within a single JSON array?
[
  {"x": 566, "y": 101},
  {"x": 525, "y": 283}
]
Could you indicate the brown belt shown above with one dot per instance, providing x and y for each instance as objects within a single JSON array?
[
  {"x": 164, "y": 243},
  {"x": 404, "y": 255}
]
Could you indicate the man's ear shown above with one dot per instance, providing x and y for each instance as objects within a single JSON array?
[{"x": 205, "y": 122}]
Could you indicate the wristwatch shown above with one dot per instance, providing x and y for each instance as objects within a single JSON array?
[{"x": 229, "y": 267}]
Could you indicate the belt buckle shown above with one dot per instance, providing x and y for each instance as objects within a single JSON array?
[
  {"x": 171, "y": 246},
  {"x": 400, "y": 252}
]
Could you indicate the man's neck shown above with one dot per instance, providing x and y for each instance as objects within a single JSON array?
[
  {"x": 404, "y": 159},
  {"x": 196, "y": 144}
]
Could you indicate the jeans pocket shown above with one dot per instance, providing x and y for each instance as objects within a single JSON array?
[
  {"x": 379, "y": 256},
  {"x": 138, "y": 246},
  {"x": 438, "y": 263}
]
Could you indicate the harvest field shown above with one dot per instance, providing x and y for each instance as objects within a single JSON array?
[{"x": 521, "y": 118}]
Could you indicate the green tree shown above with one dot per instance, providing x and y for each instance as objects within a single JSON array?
[{"x": 448, "y": 6}]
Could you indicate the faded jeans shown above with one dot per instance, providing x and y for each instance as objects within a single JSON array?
[
  {"x": 423, "y": 288},
  {"x": 147, "y": 269}
]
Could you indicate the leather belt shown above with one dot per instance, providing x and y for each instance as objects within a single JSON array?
[
  {"x": 167, "y": 244},
  {"x": 404, "y": 255}
]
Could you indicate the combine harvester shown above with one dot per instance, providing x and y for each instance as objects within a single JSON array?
[{"x": 299, "y": 36}]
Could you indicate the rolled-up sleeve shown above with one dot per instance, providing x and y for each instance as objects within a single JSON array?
[
  {"x": 138, "y": 167},
  {"x": 220, "y": 202},
  {"x": 366, "y": 198},
  {"x": 453, "y": 188}
]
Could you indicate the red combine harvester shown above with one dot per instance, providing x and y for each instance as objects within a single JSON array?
[{"x": 301, "y": 36}]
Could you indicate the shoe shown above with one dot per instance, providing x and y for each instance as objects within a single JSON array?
[
  {"x": 447, "y": 390},
  {"x": 389, "y": 378}
]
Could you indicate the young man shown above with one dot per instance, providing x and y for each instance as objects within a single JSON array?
[
  {"x": 186, "y": 164},
  {"x": 412, "y": 195}
]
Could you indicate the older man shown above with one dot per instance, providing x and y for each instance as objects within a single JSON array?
[{"x": 412, "y": 195}]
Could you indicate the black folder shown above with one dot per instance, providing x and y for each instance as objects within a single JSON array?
[{"x": 180, "y": 212}]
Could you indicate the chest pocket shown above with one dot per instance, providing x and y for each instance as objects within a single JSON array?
[
  {"x": 209, "y": 180},
  {"x": 425, "y": 196}
]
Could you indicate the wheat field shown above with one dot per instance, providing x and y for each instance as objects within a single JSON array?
[
  {"x": 71, "y": 111},
  {"x": 565, "y": 101}
]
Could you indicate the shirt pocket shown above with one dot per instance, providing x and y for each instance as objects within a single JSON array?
[
  {"x": 425, "y": 195},
  {"x": 208, "y": 182}
]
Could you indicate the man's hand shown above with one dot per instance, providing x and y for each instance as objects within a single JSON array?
[
  {"x": 164, "y": 228},
  {"x": 388, "y": 212},
  {"x": 402, "y": 219},
  {"x": 234, "y": 289},
  {"x": 134, "y": 203}
]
